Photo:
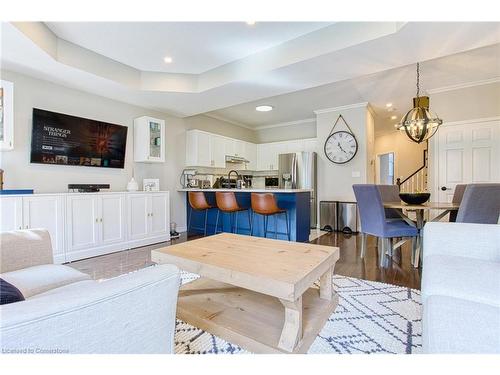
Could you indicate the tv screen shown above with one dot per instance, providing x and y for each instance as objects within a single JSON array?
[{"x": 63, "y": 139}]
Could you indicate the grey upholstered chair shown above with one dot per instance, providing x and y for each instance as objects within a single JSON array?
[
  {"x": 390, "y": 193},
  {"x": 480, "y": 204},
  {"x": 457, "y": 198},
  {"x": 374, "y": 222}
]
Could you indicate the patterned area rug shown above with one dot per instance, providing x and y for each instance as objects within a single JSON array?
[{"x": 371, "y": 317}]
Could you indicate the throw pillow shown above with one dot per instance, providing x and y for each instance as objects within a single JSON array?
[{"x": 9, "y": 293}]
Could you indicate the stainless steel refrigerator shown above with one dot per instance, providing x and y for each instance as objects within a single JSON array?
[{"x": 298, "y": 171}]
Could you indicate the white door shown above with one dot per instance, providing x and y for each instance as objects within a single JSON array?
[
  {"x": 217, "y": 148},
  {"x": 138, "y": 216},
  {"x": 467, "y": 153},
  {"x": 112, "y": 218},
  {"x": 11, "y": 213},
  {"x": 47, "y": 212},
  {"x": 159, "y": 220},
  {"x": 82, "y": 218}
]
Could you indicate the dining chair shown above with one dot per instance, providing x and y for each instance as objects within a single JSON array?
[
  {"x": 375, "y": 223},
  {"x": 457, "y": 198},
  {"x": 390, "y": 193},
  {"x": 480, "y": 204}
]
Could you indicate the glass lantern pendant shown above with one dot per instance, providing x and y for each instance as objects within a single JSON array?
[{"x": 419, "y": 123}]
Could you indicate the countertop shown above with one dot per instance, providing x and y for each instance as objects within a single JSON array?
[{"x": 252, "y": 190}]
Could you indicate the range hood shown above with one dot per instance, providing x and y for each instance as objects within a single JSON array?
[{"x": 236, "y": 159}]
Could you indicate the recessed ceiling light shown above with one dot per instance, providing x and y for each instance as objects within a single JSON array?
[
  {"x": 388, "y": 105},
  {"x": 264, "y": 108},
  {"x": 167, "y": 59},
  {"x": 394, "y": 117},
  {"x": 250, "y": 23}
]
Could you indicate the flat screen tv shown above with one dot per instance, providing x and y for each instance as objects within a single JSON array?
[{"x": 63, "y": 139}]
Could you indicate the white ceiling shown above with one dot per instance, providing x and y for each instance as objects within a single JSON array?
[
  {"x": 395, "y": 86},
  {"x": 195, "y": 47},
  {"x": 340, "y": 64}
]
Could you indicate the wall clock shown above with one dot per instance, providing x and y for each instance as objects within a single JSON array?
[{"x": 341, "y": 146}]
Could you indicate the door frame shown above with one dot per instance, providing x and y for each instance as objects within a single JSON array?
[
  {"x": 433, "y": 153},
  {"x": 377, "y": 165}
]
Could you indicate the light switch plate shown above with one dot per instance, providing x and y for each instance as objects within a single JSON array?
[{"x": 356, "y": 174}]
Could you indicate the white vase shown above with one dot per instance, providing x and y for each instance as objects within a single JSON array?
[{"x": 132, "y": 185}]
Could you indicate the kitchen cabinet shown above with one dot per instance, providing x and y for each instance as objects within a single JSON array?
[
  {"x": 149, "y": 140},
  {"x": 148, "y": 215},
  {"x": 268, "y": 155},
  {"x": 198, "y": 149},
  {"x": 112, "y": 221},
  {"x": 217, "y": 151},
  {"x": 46, "y": 212},
  {"x": 310, "y": 145},
  {"x": 250, "y": 153}
]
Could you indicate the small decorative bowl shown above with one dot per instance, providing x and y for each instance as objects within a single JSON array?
[{"x": 414, "y": 198}]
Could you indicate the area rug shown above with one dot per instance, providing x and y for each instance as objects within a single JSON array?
[{"x": 371, "y": 318}]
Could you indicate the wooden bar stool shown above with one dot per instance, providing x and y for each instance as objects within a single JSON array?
[
  {"x": 226, "y": 203},
  {"x": 198, "y": 202},
  {"x": 265, "y": 204}
]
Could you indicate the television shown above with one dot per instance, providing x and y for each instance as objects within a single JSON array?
[{"x": 68, "y": 140}]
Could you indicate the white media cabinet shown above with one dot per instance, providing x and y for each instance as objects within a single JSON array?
[{"x": 83, "y": 225}]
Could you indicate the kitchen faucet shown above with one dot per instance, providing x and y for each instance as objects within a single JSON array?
[{"x": 238, "y": 177}]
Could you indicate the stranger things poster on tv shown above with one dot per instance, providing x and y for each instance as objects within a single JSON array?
[{"x": 63, "y": 139}]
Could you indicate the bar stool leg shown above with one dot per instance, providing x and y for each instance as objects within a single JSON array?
[
  {"x": 275, "y": 227},
  {"x": 205, "y": 229},
  {"x": 287, "y": 226},
  {"x": 266, "y": 219},
  {"x": 217, "y": 221},
  {"x": 249, "y": 221},
  {"x": 236, "y": 223}
]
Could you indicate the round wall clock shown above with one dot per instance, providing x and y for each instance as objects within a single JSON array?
[{"x": 341, "y": 146}]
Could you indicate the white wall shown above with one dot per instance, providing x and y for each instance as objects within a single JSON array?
[
  {"x": 32, "y": 93},
  {"x": 335, "y": 181}
]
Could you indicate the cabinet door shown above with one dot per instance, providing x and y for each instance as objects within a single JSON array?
[
  {"x": 159, "y": 215},
  {"x": 274, "y": 151},
  {"x": 112, "y": 218},
  {"x": 156, "y": 140},
  {"x": 138, "y": 216},
  {"x": 239, "y": 147},
  {"x": 204, "y": 151},
  {"x": 217, "y": 148},
  {"x": 294, "y": 146},
  {"x": 251, "y": 155},
  {"x": 47, "y": 212},
  {"x": 11, "y": 213},
  {"x": 229, "y": 147},
  {"x": 82, "y": 220}
]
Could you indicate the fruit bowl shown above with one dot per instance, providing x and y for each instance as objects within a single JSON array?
[{"x": 414, "y": 198}]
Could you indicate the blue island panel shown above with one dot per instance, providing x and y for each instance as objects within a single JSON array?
[{"x": 296, "y": 204}]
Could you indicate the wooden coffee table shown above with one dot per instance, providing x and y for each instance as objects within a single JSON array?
[{"x": 254, "y": 292}]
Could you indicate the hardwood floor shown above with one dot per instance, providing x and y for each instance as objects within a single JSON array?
[{"x": 400, "y": 272}]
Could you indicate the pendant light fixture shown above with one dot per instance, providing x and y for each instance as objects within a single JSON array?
[{"x": 419, "y": 123}]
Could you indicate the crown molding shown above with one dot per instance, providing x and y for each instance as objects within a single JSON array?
[
  {"x": 341, "y": 108},
  {"x": 289, "y": 123},
  {"x": 463, "y": 85},
  {"x": 220, "y": 118}
]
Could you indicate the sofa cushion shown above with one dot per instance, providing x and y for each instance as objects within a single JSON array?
[
  {"x": 38, "y": 279},
  {"x": 467, "y": 278},
  {"x": 9, "y": 293},
  {"x": 79, "y": 286},
  {"x": 452, "y": 325}
]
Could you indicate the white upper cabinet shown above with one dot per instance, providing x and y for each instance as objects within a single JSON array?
[
  {"x": 210, "y": 150},
  {"x": 218, "y": 151},
  {"x": 149, "y": 140}
]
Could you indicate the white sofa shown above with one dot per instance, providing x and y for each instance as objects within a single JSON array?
[
  {"x": 67, "y": 312},
  {"x": 461, "y": 288}
]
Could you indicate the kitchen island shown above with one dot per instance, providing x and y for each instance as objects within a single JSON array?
[{"x": 295, "y": 201}]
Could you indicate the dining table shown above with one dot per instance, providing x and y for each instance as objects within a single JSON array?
[{"x": 420, "y": 209}]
